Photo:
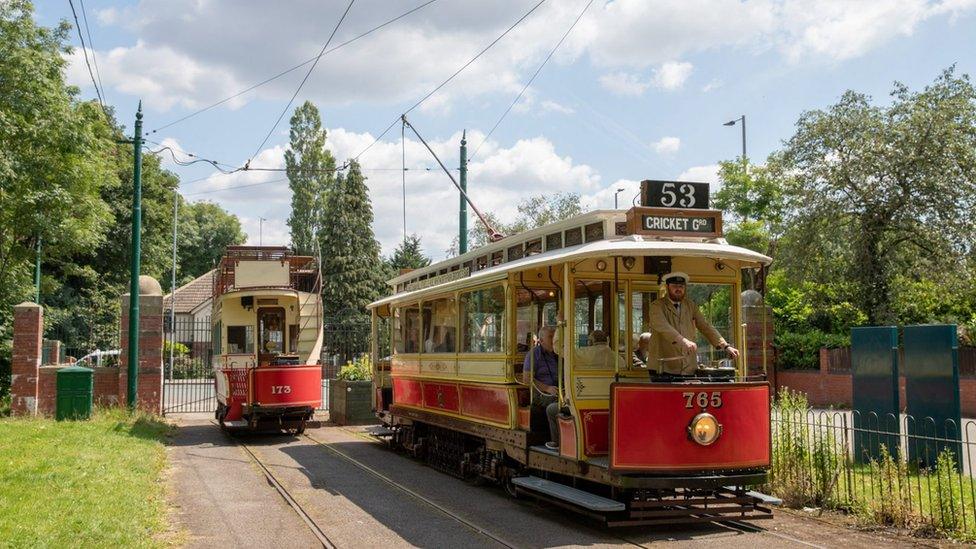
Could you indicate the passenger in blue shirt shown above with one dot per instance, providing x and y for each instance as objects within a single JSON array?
[{"x": 546, "y": 380}]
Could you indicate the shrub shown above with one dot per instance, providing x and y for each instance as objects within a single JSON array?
[
  {"x": 806, "y": 460},
  {"x": 360, "y": 369},
  {"x": 801, "y": 351},
  {"x": 894, "y": 506}
]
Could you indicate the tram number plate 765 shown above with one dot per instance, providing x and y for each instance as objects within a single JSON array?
[
  {"x": 703, "y": 399},
  {"x": 280, "y": 389}
]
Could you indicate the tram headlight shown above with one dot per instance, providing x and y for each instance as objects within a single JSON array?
[{"x": 704, "y": 429}]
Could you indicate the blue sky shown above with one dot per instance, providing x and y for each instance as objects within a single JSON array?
[{"x": 639, "y": 90}]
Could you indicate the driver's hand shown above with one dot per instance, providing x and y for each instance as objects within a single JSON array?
[
  {"x": 690, "y": 347},
  {"x": 732, "y": 351}
]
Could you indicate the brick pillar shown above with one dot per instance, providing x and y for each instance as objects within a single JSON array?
[
  {"x": 28, "y": 341},
  {"x": 149, "y": 392},
  {"x": 759, "y": 320}
]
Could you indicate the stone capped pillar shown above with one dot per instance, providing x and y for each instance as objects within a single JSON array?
[
  {"x": 26, "y": 360},
  {"x": 149, "y": 392},
  {"x": 758, "y": 318}
]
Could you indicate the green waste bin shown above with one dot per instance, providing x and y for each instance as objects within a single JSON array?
[{"x": 76, "y": 385}]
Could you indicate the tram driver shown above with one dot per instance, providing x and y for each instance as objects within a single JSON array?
[
  {"x": 543, "y": 361},
  {"x": 674, "y": 319}
]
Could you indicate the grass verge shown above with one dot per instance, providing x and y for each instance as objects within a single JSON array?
[{"x": 94, "y": 483}]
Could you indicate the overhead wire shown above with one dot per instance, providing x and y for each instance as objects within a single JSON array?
[
  {"x": 292, "y": 69},
  {"x": 81, "y": 37},
  {"x": 445, "y": 82},
  {"x": 302, "y": 83},
  {"x": 91, "y": 44},
  {"x": 529, "y": 83}
]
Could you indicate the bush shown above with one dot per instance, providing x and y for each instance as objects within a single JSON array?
[
  {"x": 801, "y": 351},
  {"x": 807, "y": 459},
  {"x": 360, "y": 369}
]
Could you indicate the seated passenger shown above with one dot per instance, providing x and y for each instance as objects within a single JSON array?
[
  {"x": 543, "y": 361},
  {"x": 597, "y": 355},
  {"x": 641, "y": 349}
]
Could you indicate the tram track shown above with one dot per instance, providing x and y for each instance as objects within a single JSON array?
[
  {"x": 473, "y": 526},
  {"x": 738, "y": 526}
]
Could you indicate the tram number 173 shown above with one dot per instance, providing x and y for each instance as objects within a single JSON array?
[
  {"x": 703, "y": 399},
  {"x": 280, "y": 389}
]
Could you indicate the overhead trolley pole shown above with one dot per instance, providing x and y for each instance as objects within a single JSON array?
[{"x": 463, "y": 212}]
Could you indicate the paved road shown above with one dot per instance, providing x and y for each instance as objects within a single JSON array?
[{"x": 225, "y": 501}]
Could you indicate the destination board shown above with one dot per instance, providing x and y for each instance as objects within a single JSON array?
[
  {"x": 674, "y": 194},
  {"x": 671, "y": 221}
]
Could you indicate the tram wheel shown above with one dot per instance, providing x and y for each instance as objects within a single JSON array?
[
  {"x": 509, "y": 486},
  {"x": 300, "y": 429}
]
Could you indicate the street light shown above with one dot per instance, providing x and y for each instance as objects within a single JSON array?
[
  {"x": 732, "y": 123},
  {"x": 615, "y": 197},
  {"x": 261, "y": 231}
]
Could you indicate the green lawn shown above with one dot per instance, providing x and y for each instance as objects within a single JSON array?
[{"x": 94, "y": 483}]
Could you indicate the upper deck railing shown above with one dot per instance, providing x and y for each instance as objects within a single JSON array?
[{"x": 302, "y": 269}]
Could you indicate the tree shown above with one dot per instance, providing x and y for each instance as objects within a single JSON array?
[
  {"x": 350, "y": 252},
  {"x": 753, "y": 197},
  {"x": 310, "y": 169},
  {"x": 883, "y": 190},
  {"x": 55, "y": 156},
  {"x": 533, "y": 212},
  {"x": 205, "y": 231},
  {"x": 408, "y": 255}
]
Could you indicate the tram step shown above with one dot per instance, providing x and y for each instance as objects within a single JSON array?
[
  {"x": 234, "y": 424},
  {"x": 379, "y": 431},
  {"x": 569, "y": 494},
  {"x": 765, "y": 498}
]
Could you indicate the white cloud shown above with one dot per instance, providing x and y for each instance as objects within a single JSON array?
[
  {"x": 713, "y": 85},
  {"x": 624, "y": 83},
  {"x": 667, "y": 145},
  {"x": 552, "y": 106},
  {"x": 701, "y": 174},
  {"x": 603, "y": 199},
  {"x": 672, "y": 75}
]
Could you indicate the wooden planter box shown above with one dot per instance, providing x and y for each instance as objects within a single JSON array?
[{"x": 351, "y": 402}]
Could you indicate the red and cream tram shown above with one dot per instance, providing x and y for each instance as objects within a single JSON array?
[
  {"x": 267, "y": 329},
  {"x": 636, "y": 447}
]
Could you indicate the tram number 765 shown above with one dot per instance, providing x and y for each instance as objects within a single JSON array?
[
  {"x": 280, "y": 389},
  {"x": 703, "y": 399}
]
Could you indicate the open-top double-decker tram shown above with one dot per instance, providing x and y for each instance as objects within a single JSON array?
[
  {"x": 637, "y": 446},
  {"x": 267, "y": 334}
]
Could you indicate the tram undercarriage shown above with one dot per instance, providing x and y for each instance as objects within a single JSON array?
[{"x": 517, "y": 461}]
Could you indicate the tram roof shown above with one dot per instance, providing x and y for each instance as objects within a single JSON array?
[{"x": 624, "y": 245}]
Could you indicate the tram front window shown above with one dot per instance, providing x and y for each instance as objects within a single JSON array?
[
  {"x": 271, "y": 331},
  {"x": 715, "y": 303}
]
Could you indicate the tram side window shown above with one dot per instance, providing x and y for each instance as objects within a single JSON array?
[
  {"x": 240, "y": 339},
  {"x": 592, "y": 314},
  {"x": 535, "y": 308},
  {"x": 440, "y": 319},
  {"x": 483, "y": 320},
  {"x": 410, "y": 334},
  {"x": 397, "y": 331}
]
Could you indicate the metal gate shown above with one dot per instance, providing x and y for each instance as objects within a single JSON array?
[{"x": 188, "y": 381}]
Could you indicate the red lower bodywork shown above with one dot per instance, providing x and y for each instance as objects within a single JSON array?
[
  {"x": 272, "y": 387},
  {"x": 649, "y": 426}
]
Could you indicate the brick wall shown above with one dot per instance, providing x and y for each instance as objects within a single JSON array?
[
  {"x": 26, "y": 359},
  {"x": 831, "y": 386}
]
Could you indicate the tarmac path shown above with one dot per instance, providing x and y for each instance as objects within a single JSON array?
[{"x": 359, "y": 494}]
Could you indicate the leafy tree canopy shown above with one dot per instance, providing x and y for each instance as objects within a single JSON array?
[
  {"x": 311, "y": 176},
  {"x": 408, "y": 255}
]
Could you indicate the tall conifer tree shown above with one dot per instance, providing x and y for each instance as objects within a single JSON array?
[
  {"x": 350, "y": 253},
  {"x": 311, "y": 176}
]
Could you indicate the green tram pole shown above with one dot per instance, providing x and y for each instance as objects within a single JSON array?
[
  {"x": 37, "y": 273},
  {"x": 133, "y": 369},
  {"x": 463, "y": 213}
]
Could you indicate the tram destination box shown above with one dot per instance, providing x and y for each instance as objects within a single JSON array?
[
  {"x": 674, "y": 222},
  {"x": 674, "y": 194}
]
